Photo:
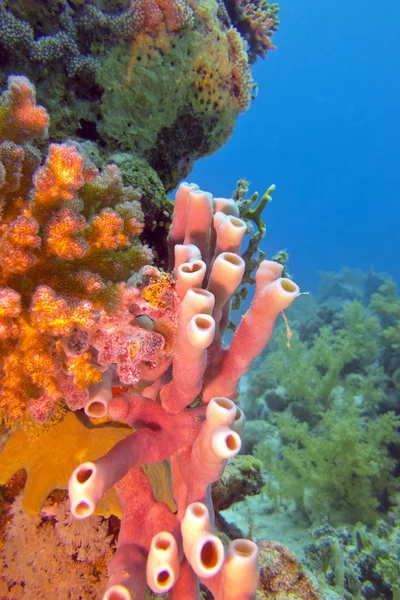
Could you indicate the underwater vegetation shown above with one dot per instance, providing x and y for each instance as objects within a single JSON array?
[{"x": 329, "y": 406}]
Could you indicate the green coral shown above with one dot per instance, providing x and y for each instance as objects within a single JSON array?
[
  {"x": 253, "y": 255},
  {"x": 389, "y": 569},
  {"x": 310, "y": 372},
  {"x": 387, "y": 304},
  {"x": 339, "y": 468},
  {"x": 193, "y": 84},
  {"x": 334, "y": 456}
]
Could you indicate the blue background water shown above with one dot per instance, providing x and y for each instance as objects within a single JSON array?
[{"x": 325, "y": 129}]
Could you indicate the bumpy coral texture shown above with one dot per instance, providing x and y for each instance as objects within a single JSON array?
[
  {"x": 353, "y": 562},
  {"x": 68, "y": 239},
  {"x": 185, "y": 121},
  {"x": 97, "y": 63}
]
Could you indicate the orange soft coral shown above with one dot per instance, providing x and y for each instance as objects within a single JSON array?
[
  {"x": 61, "y": 176},
  {"x": 68, "y": 239},
  {"x": 20, "y": 118}
]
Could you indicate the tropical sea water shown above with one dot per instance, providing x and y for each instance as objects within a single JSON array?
[{"x": 325, "y": 128}]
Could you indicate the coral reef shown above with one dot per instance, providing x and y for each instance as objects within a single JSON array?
[
  {"x": 341, "y": 467},
  {"x": 357, "y": 561},
  {"x": 330, "y": 429},
  {"x": 96, "y": 65},
  {"x": 329, "y": 396},
  {"x": 113, "y": 371}
]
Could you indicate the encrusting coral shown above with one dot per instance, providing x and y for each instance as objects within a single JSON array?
[
  {"x": 282, "y": 576},
  {"x": 181, "y": 122},
  {"x": 49, "y": 458}
]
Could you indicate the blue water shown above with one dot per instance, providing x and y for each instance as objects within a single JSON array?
[{"x": 325, "y": 129}]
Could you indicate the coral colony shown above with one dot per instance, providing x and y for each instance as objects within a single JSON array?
[{"x": 74, "y": 327}]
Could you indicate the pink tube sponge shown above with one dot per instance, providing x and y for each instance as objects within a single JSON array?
[{"x": 182, "y": 409}]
